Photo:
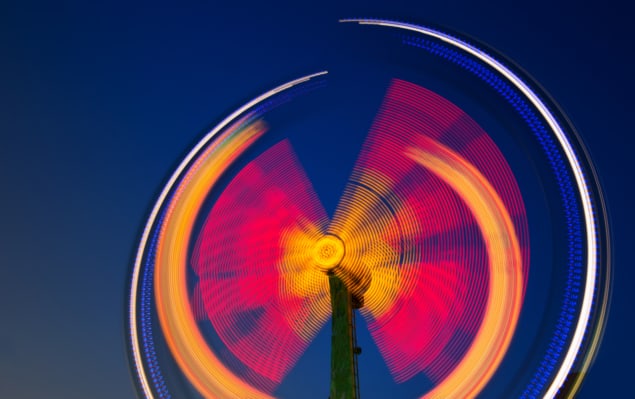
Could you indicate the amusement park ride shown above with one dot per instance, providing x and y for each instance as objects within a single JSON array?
[
  {"x": 329, "y": 252},
  {"x": 240, "y": 266}
]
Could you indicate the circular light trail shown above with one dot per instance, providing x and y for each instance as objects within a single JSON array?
[
  {"x": 430, "y": 235},
  {"x": 574, "y": 163},
  {"x": 328, "y": 252}
]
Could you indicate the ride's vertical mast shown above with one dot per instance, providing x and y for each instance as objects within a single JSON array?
[
  {"x": 329, "y": 252},
  {"x": 343, "y": 370}
]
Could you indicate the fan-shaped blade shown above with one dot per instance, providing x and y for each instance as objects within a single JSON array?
[
  {"x": 416, "y": 237},
  {"x": 256, "y": 283}
]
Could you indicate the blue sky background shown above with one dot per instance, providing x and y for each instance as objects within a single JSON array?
[{"x": 99, "y": 102}]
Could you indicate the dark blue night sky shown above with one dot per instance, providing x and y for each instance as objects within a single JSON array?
[{"x": 99, "y": 102}]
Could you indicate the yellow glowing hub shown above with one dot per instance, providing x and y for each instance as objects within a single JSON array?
[{"x": 328, "y": 252}]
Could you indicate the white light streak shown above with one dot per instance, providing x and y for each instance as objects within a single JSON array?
[
  {"x": 591, "y": 234},
  {"x": 157, "y": 207}
]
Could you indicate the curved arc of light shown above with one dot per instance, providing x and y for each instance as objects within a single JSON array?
[
  {"x": 272, "y": 196},
  {"x": 591, "y": 233},
  {"x": 185, "y": 341},
  {"x": 505, "y": 286},
  {"x": 134, "y": 335}
]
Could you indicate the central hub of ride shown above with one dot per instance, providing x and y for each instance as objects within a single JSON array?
[{"x": 328, "y": 252}]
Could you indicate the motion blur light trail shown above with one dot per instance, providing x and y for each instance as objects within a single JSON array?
[
  {"x": 188, "y": 346},
  {"x": 263, "y": 295},
  {"x": 150, "y": 378},
  {"x": 436, "y": 283},
  {"x": 504, "y": 302},
  {"x": 430, "y": 237},
  {"x": 262, "y": 255},
  {"x": 596, "y": 236}
]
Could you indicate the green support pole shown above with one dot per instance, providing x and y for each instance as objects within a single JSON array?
[{"x": 342, "y": 356}]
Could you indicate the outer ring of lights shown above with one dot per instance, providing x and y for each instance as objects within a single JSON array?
[
  {"x": 149, "y": 377},
  {"x": 143, "y": 358},
  {"x": 584, "y": 191}
]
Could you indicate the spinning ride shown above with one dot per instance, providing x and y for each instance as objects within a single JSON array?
[{"x": 241, "y": 268}]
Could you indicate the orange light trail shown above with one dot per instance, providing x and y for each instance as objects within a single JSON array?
[
  {"x": 506, "y": 284},
  {"x": 210, "y": 377},
  {"x": 421, "y": 235},
  {"x": 415, "y": 235},
  {"x": 260, "y": 288}
]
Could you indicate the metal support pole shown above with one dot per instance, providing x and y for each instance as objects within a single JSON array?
[{"x": 343, "y": 373}]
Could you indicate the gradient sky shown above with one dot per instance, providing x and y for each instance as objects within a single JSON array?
[{"x": 99, "y": 102}]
